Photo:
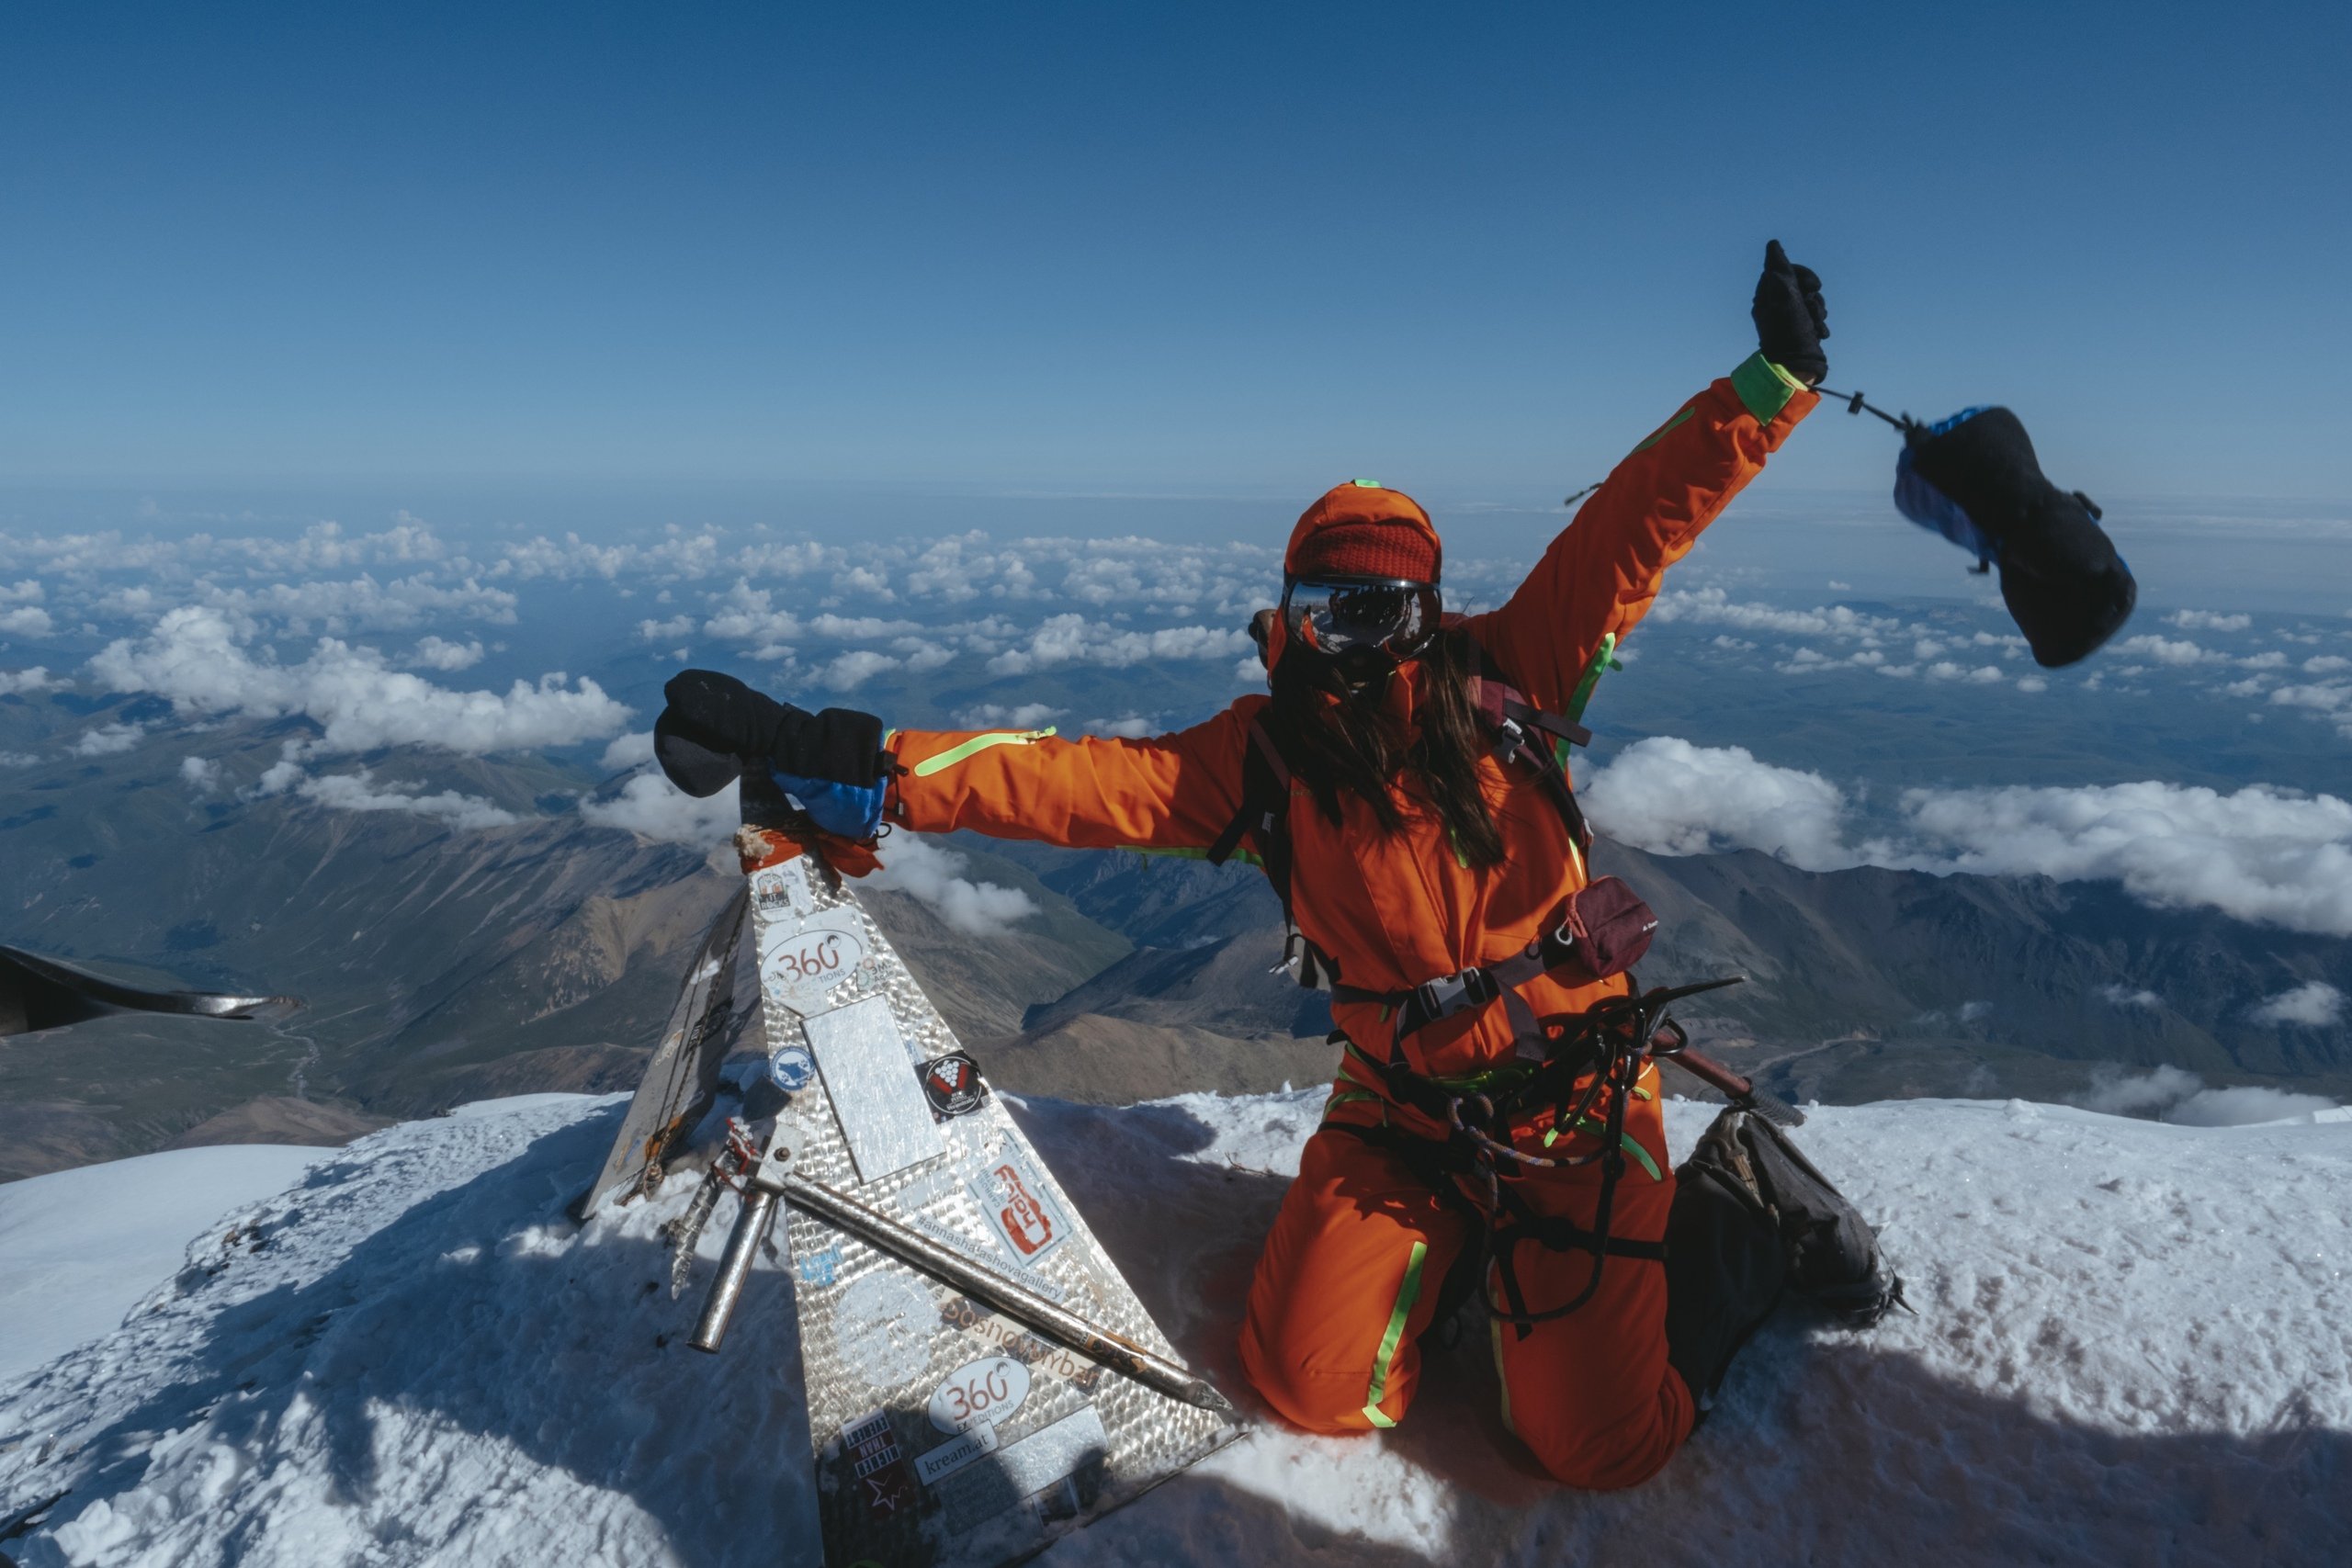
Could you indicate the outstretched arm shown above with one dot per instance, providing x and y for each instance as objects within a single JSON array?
[
  {"x": 1169, "y": 792},
  {"x": 1598, "y": 578}
]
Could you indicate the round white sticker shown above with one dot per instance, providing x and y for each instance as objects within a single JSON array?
[
  {"x": 986, "y": 1390},
  {"x": 800, "y": 966}
]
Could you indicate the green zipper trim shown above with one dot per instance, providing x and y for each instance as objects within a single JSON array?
[
  {"x": 1384, "y": 1361},
  {"x": 976, "y": 744},
  {"x": 1248, "y": 857},
  {"x": 1603, "y": 658},
  {"x": 1661, "y": 433},
  {"x": 1347, "y": 1096}
]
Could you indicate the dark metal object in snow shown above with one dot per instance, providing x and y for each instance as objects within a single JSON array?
[{"x": 40, "y": 992}]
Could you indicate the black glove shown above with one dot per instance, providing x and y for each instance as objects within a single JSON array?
[
  {"x": 715, "y": 722},
  {"x": 1790, "y": 318},
  {"x": 1975, "y": 478}
]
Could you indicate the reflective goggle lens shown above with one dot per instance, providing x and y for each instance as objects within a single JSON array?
[{"x": 1333, "y": 618}]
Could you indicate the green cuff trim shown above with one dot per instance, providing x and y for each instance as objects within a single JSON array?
[
  {"x": 976, "y": 744},
  {"x": 1764, "y": 387},
  {"x": 1384, "y": 1361}
]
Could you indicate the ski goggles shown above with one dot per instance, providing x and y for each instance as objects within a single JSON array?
[{"x": 1343, "y": 614}]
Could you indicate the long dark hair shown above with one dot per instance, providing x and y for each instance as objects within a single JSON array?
[{"x": 1344, "y": 745}]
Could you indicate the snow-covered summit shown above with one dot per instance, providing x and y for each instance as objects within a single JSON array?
[{"x": 2131, "y": 1346}]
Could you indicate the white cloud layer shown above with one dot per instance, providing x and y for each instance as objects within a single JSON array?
[
  {"x": 1671, "y": 797},
  {"x": 359, "y": 791},
  {"x": 36, "y": 678},
  {"x": 2171, "y": 1095},
  {"x": 2314, "y": 1004},
  {"x": 196, "y": 656},
  {"x": 917, "y": 866},
  {"x": 2272, "y": 856},
  {"x": 652, "y": 808}
]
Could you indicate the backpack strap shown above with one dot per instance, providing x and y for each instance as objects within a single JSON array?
[{"x": 1265, "y": 820}]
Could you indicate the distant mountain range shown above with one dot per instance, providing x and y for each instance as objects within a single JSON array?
[{"x": 443, "y": 965}]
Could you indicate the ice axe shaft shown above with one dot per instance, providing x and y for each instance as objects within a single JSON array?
[
  {"x": 752, "y": 1227},
  {"x": 1737, "y": 1089},
  {"x": 1025, "y": 1306},
  {"x": 772, "y": 1178}
]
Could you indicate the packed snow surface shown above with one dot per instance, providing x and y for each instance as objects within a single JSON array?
[
  {"x": 78, "y": 1248},
  {"x": 2131, "y": 1346}
]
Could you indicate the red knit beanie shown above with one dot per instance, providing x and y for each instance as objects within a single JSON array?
[{"x": 1362, "y": 529}]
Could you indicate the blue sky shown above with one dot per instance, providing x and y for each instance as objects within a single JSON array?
[{"x": 1225, "y": 251}]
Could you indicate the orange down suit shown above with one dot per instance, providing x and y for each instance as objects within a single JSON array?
[{"x": 1349, "y": 1279}]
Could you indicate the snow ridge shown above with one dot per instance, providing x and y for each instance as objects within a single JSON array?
[{"x": 2130, "y": 1346}]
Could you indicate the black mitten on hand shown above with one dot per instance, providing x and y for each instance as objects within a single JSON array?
[
  {"x": 1975, "y": 478},
  {"x": 1791, "y": 317},
  {"x": 713, "y": 718}
]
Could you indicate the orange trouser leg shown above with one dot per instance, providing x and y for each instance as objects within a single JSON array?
[
  {"x": 1590, "y": 1393},
  {"x": 1347, "y": 1282}
]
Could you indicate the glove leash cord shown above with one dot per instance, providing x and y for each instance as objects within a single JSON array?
[{"x": 1854, "y": 404}]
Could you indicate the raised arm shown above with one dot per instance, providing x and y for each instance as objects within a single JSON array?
[{"x": 1598, "y": 578}]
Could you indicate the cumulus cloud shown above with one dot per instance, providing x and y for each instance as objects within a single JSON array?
[
  {"x": 1133, "y": 728},
  {"x": 628, "y": 751},
  {"x": 18, "y": 759},
  {"x": 2271, "y": 855},
  {"x": 1712, "y": 606},
  {"x": 28, "y": 620},
  {"x": 439, "y": 653},
  {"x": 2314, "y": 1004},
  {"x": 917, "y": 866},
  {"x": 2181, "y": 1098},
  {"x": 359, "y": 791},
  {"x": 2114, "y": 1093},
  {"x": 2264, "y": 854},
  {"x": 2125, "y": 997},
  {"x": 1669, "y": 796},
  {"x": 201, "y": 774},
  {"x": 1085, "y": 639},
  {"x": 2208, "y": 621},
  {"x": 108, "y": 740},
  {"x": 2165, "y": 651},
  {"x": 196, "y": 656},
  {"x": 652, "y": 807},
  {"x": 995, "y": 716},
  {"x": 33, "y": 680},
  {"x": 852, "y": 669}
]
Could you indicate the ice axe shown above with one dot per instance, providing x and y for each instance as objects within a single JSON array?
[{"x": 772, "y": 1179}]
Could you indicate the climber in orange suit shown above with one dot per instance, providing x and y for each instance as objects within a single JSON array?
[{"x": 1415, "y": 850}]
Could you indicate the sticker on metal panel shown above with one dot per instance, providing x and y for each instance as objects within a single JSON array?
[
  {"x": 877, "y": 1465},
  {"x": 868, "y": 1076},
  {"x": 1014, "y": 1197},
  {"x": 952, "y": 1084},
  {"x": 1051, "y": 1453},
  {"x": 783, "y": 887},
  {"x": 800, "y": 964},
  {"x": 984, "y": 1390},
  {"x": 957, "y": 1451},
  {"x": 882, "y": 1327},
  {"x": 790, "y": 1068}
]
